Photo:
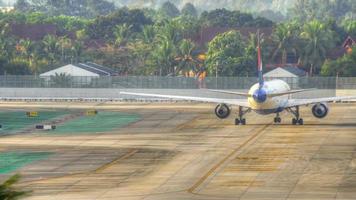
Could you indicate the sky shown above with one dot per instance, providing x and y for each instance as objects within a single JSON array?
[{"x": 248, "y": 5}]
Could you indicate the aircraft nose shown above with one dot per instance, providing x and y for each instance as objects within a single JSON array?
[{"x": 260, "y": 96}]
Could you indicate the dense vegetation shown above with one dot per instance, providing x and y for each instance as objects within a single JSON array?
[
  {"x": 161, "y": 41},
  {"x": 7, "y": 190}
]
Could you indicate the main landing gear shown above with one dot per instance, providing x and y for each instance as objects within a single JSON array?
[
  {"x": 240, "y": 119},
  {"x": 277, "y": 119},
  {"x": 296, "y": 120}
]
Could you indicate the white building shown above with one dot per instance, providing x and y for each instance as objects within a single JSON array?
[
  {"x": 80, "y": 74},
  {"x": 81, "y": 70},
  {"x": 289, "y": 74}
]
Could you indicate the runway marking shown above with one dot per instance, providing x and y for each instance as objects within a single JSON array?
[
  {"x": 219, "y": 164},
  {"x": 104, "y": 167},
  {"x": 186, "y": 124},
  {"x": 98, "y": 170}
]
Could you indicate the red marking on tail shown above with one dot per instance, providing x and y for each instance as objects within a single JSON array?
[{"x": 259, "y": 58}]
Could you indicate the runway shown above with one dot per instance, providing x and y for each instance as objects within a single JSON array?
[{"x": 182, "y": 151}]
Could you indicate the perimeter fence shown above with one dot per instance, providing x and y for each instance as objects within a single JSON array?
[{"x": 155, "y": 82}]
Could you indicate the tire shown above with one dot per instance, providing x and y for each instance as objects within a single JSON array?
[
  {"x": 243, "y": 121},
  {"x": 294, "y": 121},
  {"x": 301, "y": 121},
  {"x": 279, "y": 120},
  {"x": 237, "y": 122}
]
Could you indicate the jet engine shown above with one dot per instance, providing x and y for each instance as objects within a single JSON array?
[
  {"x": 320, "y": 110},
  {"x": 222, "y": 111}
]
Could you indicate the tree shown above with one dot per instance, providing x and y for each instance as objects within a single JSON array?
[
  {"x": 318, "y": 39},
  {"x": 285, "y": 37},
  {"x": 61, "y": 80},
  {"x": 7, "y": 190},
  {"x": 122, "y": 34},
  {"x": 227, "y": 56},
  {"x": 148, "y": 34},
  {"x": 103, "y": 26},
  {"x": 163, "y": 56},
  {"x": 185, "y": 57},
  {"x": 226, "y": 18},
  {"x": 51, "y": 47},
  {"x": 307, "y": 10},
  {"x": 77, "y": 51},
  {"x": 189, "y": 10},
  {"x": 188, "y": 25},
  {"x": 274, "y": 16},
  {"x": 170, "y": 10},
  {"x": 17, "y": 66},
  {"x": 344, "y": 66},
  {"x": 65, "y": 45},
  {"x": 350, "y": 26},
  {"x": 22, "y": 6},
  {"x": 171, "y": 30}
]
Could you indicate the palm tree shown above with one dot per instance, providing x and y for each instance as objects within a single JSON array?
[
  {"x": 285, "y": 36},
  {"x": 185, "y": 56},
  {"x": 77, "y": 50},
  {"x": 164, "y": 56},
  {"x": 171, "y": 31},
  {"x": 50, "y": 43},
  {"x": 122, "y": 34},
  {"x": 65, "y": 44},
  {"x": 61, "y": 80},
  {"x": 148, "y": 34},
  {"x": 8, "y": 192},
  {"x": 26, "y": 47},
  {"x": 318, "y": 40}
]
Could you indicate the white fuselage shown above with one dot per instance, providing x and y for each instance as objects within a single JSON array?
[{"x": 271, "y": 104}]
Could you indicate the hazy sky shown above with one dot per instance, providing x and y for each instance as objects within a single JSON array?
[{"x": 280, "y": 5}]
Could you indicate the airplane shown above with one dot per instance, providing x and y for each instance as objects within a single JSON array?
[{"x": 264, "y": 98}]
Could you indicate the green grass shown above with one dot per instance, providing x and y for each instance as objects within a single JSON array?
[
  {"x": 11, "y": 161},
  {"x": 15, "y": 121},
  {"x": 102, "y": 122}
]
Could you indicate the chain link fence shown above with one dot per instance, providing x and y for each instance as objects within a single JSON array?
[{"x": 155, "y": 82}]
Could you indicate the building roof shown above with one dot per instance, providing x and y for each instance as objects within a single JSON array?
[
  {"x": 288, "y": 71},
  {"x": 71, "y": 70},
  {"x": 340, "y": 51},
  {"x": 103, "y": 68},
  {"x": 349, "y": 41},
  {"x": 82, "y": 69},
  {"x": 336, "y": 53},
  {"x": 295, "y": 70},
  {"x": 98, "y": 69},
  {"x": 33, "y": 31}
]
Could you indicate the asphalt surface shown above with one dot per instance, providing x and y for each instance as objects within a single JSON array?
[{"x": 182, "y": 151}]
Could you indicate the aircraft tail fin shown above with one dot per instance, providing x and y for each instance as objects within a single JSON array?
[{"x": 260, "y": 66}]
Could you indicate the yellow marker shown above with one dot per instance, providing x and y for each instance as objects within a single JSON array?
[
  {"x": 91, "y": 112},
  {"x": 32, "y": 114}
]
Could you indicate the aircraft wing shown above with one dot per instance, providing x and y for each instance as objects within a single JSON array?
[
  {"x": 230, "y": 92},
  {"x": 237, "y": 102},
  {"x": 301, "y": 102}
]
